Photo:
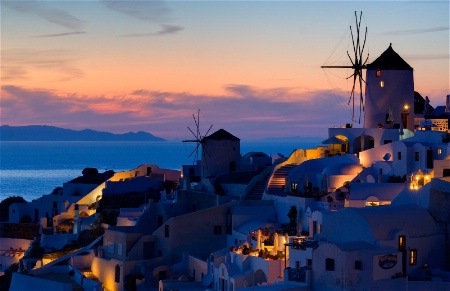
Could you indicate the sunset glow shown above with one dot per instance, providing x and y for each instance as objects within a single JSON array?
[{"x": 251, "y": 67}]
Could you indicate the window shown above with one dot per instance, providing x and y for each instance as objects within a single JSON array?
[
  {"x": 120, "y": 249},
  {"x": 160, "y": 220},
  {"x": 402, "y": 243},
  {"x": 413, "y": 257},
  {"x": 110, "y": 247},
  {"x": 294, "y": 186},
  {"x": 329, "y": 264},
  {"x": 386, "y": 141},
  {"x": 166, "y": 230},
  {"x": 217, "y": 229},
  {"x": 417, "y": 156},
  {"x": 297, "y": 264},
  {"x": 439, "y": 151},
  {"x": 309, "y": 262},
  {"x": 382, "y": 84},
  {"x": 378, "y": 73},
  {"x": 358, "y": 265},
  {"x": 399, "y": 156}
]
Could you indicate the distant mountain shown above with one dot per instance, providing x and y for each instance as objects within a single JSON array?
[
  {"x": 311, "y": 139},
  {"x": 51, "y": 133}
]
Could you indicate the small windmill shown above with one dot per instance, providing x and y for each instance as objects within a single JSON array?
[
  {"x": 358, "y": 63},
  {"x": 198, "y": 138}
]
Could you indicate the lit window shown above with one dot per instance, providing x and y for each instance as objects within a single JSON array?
[
  {"x": 372, "y": 203},
  {"x": 294, "y": 186},
  {"x": 382, "y": 84},
  {"x": 378, "y": 73},
  {"x": 413, "y": 257},
  {"x": 439, "y": 151},
  {"x": 402, "y": 243}
]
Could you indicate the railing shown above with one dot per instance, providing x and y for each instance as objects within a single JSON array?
[{"x": 297, "y": 275}]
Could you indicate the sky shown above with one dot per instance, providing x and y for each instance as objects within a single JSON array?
[{"x": 250, "y": 67}]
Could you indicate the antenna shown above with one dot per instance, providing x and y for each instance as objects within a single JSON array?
[
  {"x": 198, "y": 139},
  {"x": 358, "y": 63}
]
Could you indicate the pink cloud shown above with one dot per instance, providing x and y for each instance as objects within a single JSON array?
[{"x": 247, "y": 112}]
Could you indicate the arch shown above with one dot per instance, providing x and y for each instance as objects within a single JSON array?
[
  {"x": 259, "y": 277},
  {"x": 344, "y": 147}
]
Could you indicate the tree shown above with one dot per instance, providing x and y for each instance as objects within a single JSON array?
[
  {"x": 292, "y": 214},
  {"x": 6, "y": 203}
]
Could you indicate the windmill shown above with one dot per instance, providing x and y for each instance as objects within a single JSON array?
[
  {"x": 198, "y": 138},
  {"x": 358, "y": 63}
]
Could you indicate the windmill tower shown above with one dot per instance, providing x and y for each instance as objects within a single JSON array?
[
  {"x": 222, "y": 153},
  {"x": 389, "y": 92}
]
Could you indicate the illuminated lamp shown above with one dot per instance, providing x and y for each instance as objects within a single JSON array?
[{"x": 406, "y": 107}]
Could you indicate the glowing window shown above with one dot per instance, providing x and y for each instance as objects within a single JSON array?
[
  {"x": 294, "y": 186},
  {"x": 378, "y": 73},
  {"x": 402, "y": 243},
  {"x": 413, "y": 257},
  {"x": 439, "y": 151},
  {"x": 372, "y": 203},
  {"x": 382, "y": 84}
]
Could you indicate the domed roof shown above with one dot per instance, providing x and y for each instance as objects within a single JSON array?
[
  {"x": 255, "y": 155},
  {"x": 342, "y": 169},
  {"x": 370, "y": 224}
]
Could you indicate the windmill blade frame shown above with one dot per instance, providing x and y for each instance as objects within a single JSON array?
[
  {"x": 357, "y": 64},
  {"x": 198, "y": 138}
]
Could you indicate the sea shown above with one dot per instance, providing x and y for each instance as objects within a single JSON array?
[{"x": 35, "y": 168}]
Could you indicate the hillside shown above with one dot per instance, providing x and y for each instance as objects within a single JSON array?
[{"x": 51, "y": 133}]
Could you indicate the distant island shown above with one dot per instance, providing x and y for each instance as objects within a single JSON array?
[{"x": 52, "y": 133}]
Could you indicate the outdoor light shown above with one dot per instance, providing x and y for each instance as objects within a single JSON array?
[{"x": 406, "y": 107}]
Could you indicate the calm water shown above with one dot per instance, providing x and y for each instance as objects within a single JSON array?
[{"x": 32, "y": 169}]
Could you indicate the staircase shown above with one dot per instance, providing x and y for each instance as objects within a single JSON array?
[
  {"x": 257, "y": 191},
  {"x": 277, "y": 183}
]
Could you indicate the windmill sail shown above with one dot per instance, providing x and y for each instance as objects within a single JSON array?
[{"x": 358, "y": 62}]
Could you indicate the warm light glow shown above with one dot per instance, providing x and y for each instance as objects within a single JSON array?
[
  {"x": 417, "y": 178},
  {"x": 427, "y": 177},
  {"x": 439, "y": 151},
  {"x": 406, "y": 107},
  {"x": 382, "y": 84}
]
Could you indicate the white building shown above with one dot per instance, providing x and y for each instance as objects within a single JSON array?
[{"x": 365, "y": 246}]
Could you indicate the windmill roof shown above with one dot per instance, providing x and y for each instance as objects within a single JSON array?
[
  {"x": 389, "y": 60},
  {"x": 221, "y": 134}
]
